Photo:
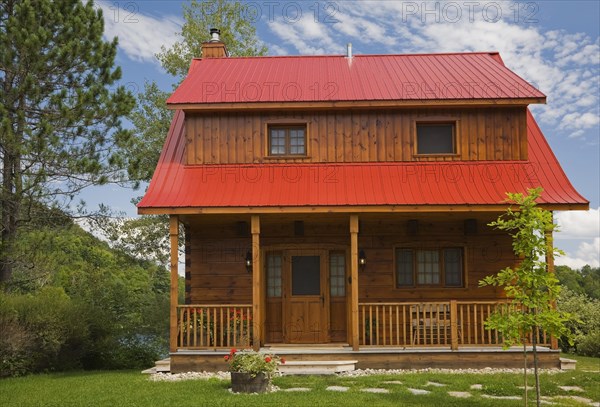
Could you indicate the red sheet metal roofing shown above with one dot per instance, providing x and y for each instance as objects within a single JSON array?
[
  {"x": 361, "y": 78},
  {"x": 176, "y": 185}
]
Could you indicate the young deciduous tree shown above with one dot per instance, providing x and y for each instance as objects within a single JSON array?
[
  {"x": 60, "y": 109},
  {"x": 532, "y": 291}
]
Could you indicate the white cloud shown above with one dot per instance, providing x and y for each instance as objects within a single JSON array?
[
  {"x": 582, "y": 227},
  {"x": 578, "y": 224},
  {"x": 140, "y": 36},
  {"x": 587, "y": 253},
  {"x": 563, "y": 65}
]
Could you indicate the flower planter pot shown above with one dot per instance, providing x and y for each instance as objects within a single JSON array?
[{"x": 244, "y": 383}]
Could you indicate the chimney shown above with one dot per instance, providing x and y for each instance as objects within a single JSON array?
[
  {"x": 349, "y": 50},
  {"x": 214, "y": 48}
]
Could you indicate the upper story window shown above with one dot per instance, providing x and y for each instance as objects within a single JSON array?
[
  {"x": 436, "y": 138},
  {"x": 429, "y": 267},
  {"x": 287, "y": 139}
]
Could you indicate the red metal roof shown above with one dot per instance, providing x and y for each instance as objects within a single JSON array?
[
  {"x": 176, "y": 185},
  {"x": 472, "y": 76}
]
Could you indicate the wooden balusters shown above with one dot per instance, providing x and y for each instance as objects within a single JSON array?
[{"x": 214, "y": 326}]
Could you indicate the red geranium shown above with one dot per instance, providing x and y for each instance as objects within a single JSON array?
[
  {"x": 268, "y": 359},
  {"x": 226, "y": 358},
  {"x": 282, "y": 360}
]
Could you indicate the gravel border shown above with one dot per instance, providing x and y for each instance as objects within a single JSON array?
[
  {"x": 168, "y": 377},
  {"x": 487, "y": 370}
]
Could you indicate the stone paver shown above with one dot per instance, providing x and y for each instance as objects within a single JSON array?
[
  {"x": 488, "y": 396},
  {"x": 476, "y": 386},
  {"x": 584, "y": 400},
  {"x": 337, "y": 388},
  {"x": 392, "y": 382},
  {"x": 297, "y": 389},
  {"x": 528, "y": 387},
  {"x": 375, "y": 390},
  {"x": 434, "y": 384},
  {"x": 418, "y": 392},
  {"x": 460, "y": 394},
  {"x": 571, "y": 388}
]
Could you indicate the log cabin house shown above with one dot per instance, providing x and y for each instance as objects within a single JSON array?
[{"x": 336, "y": 207}]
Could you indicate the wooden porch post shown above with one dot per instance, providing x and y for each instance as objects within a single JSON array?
[
  {"x": 174, "y": 239},
  {"x": 257, "y": 309},
  {"x": 354, "y": 281},
  {"x": 550, "y": 265},
  {"x": 453, "y": 325}
]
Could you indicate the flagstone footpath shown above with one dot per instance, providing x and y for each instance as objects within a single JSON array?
[{"x": 475, "y": 389}]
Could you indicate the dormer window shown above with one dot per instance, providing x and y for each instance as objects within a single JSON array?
[
  {"x": 287, "y": 140},
  {"x": 436, "y": 138}
]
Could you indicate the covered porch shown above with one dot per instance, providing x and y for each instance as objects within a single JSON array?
[{"x": 246, "y": 288}]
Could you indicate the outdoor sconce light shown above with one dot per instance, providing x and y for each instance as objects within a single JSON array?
[
  {"x": 362, "y": 260},
  {"x": 249, "y": 262}
]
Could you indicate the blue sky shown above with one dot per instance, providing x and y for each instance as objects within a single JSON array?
[{"x": 553, "y": 44}]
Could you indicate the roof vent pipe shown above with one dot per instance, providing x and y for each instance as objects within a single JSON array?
[
  {"x": 349, "y": 50},
  {"x": 215, "y": 35}
]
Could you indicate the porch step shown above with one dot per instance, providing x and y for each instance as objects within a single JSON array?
[
  {"x": 316, "y": 367},
  {"x": 161, "y": 366},
  {"x": 567, "y": 364}
]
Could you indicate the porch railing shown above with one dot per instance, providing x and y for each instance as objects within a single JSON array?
[
  {"x": 214, "y": 326},
  {"x": 430, "y": 324}
]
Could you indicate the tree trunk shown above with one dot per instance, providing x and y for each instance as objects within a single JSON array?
[
  {"x": 525, "y": 371},
  {"x": 535, "y": 366},
  {"x": 8, "y": 206}
]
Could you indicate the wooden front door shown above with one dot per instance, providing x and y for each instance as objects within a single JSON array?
[{"x": 306, "y": 298}]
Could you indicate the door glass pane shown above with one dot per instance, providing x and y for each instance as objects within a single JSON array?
[
  {"x": 337, "y": 271},
  {"x": 453, "y": 267},
  {"x": 274, "y": 263},
  {"x": 404, "y": 267},
  {"x": 306, "y": 275}
]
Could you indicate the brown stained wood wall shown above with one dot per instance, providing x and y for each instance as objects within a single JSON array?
[
  {"x": 217, "y": 274},
  {"x": 497, "y": 133}
]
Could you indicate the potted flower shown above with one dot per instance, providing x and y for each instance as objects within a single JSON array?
[{"x": 251, "y": 371}]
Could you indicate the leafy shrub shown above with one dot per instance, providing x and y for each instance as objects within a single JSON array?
[
  {"x": 38, "y": 331},
  {"x": 589, "y": 345},
  {"x": 77, "y": 303},
  {"x": 14, "y": 341},
  {"x": 585, "y": 325}
]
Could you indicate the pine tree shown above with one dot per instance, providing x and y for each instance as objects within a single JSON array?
[{"x": 60, "y": 109}]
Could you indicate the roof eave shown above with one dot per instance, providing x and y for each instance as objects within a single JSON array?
[
  {"x": 348, "y": 209},
  {"x": 189, "y": 107}
]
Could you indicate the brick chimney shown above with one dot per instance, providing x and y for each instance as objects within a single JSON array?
[{"x": 214, "y": 48}]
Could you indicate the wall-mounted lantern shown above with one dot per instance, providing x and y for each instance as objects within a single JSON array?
[
  {"x": 362, "y": 260},
  {"x": 249, "y": 262}
]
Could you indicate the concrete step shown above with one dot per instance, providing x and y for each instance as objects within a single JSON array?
[
  {"x": 567, "y": 364},
  {"x": 316, "y": 367},
  {"x": 161, "y": 366}
]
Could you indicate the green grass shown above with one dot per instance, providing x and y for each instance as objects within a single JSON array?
[{"x": 130, "y": 389}]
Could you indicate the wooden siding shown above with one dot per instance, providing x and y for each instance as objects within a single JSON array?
[
  {"x": 497, "y": 133},
  {"x": 216, "y": 273}
]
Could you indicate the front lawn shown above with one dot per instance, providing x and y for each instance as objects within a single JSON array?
[{"x": 128, "y": 389}]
